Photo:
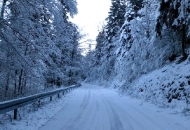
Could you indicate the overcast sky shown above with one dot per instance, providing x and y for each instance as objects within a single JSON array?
[{"x": 91, "y": 13}]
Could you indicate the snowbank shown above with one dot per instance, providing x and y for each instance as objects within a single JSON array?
[{"x": 166, "y": 87}]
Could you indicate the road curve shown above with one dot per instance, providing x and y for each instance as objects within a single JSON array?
[{"x": 96, "y": 108}]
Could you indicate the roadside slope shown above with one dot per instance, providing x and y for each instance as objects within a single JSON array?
[{"x": 165, "y": 87}]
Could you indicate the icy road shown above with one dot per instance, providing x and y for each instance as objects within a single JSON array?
[{"x": 97, "y": 108}]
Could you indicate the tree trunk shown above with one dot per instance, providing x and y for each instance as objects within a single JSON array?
[
  {"x": 20, "y": 81},
  {"x": 183, "y": 40},
  {"x": 7, "y": 84},
  {"x": 23, "y": 85},
  {"x": 15, "y": 84},
  {"x": 15, "y": 87}
]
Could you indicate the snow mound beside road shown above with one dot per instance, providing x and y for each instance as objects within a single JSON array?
[{"x": 165, "y": 87}]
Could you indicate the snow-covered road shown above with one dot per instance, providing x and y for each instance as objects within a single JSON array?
[{"x": 96, "y": 108}]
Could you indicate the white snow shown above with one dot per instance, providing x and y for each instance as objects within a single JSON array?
[
  {"x": 32, "y": 116},
  {"x": 92, "y": 107},
  {"x": 97, "y": 108},
  {"x": 170, "y": 83}
]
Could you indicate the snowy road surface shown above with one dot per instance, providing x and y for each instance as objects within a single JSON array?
[{"x": 97, "y": 108}]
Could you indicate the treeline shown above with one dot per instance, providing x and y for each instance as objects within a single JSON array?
[
  {"x": 140, "y": 36},
  {"x": 38, "y": 46}
]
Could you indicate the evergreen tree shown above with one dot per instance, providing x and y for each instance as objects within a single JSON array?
[
  {"x": 126, "y": 36},
  {"x": 175, "y": 15},
  {"x": 116, "y": 18},
  {"x": 137, "y": 5},
  {"x": 100, "y": 41}
]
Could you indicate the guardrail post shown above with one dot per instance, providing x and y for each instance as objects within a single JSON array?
[
  {"x": 50, "y": 98},
  {"x": 15, "y": 114}
]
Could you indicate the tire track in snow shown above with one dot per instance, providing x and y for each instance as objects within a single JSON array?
[
  {"x": 86, "y": 99},
  {"x": 88, "y": 117},
  {"x": 81, "y": 114},
  {"x": 95, "y": 108},
  {"x": 133, "y": 118},
  {"x": 115, "y": 119}
]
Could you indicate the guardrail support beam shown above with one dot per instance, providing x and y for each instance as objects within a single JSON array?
[{"x": 15, "y": 114}]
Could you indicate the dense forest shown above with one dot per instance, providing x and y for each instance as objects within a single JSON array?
[
  {"x": 140, "y": 36},
  {"x": 38, "y": 46},
  {"x": 143, "y": 51}
]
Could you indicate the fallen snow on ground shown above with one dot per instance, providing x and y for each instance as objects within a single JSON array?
[
  {"x": 165, "y": 87},
  {"x": 92, "y": 107},
  {"x": 98, "y": 108},
  {"x": 33, "y": 116}
]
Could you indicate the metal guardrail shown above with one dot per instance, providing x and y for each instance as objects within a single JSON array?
[{"x": 11, "y": 105}]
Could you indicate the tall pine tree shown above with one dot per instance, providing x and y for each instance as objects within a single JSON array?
[
  {"x": 175, "y": 15},
  {"x": 116, "y": 18}
]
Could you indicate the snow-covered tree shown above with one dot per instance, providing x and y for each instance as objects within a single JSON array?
[
  {"x": 126, "y": 38},
  {"x": 175, "y": 14},
  {"x": 131, "y": 52},
  {"x": 37, "y": 42},
  {"x": 137, "y": 5},
  {"x": 116, "y": 18}
]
